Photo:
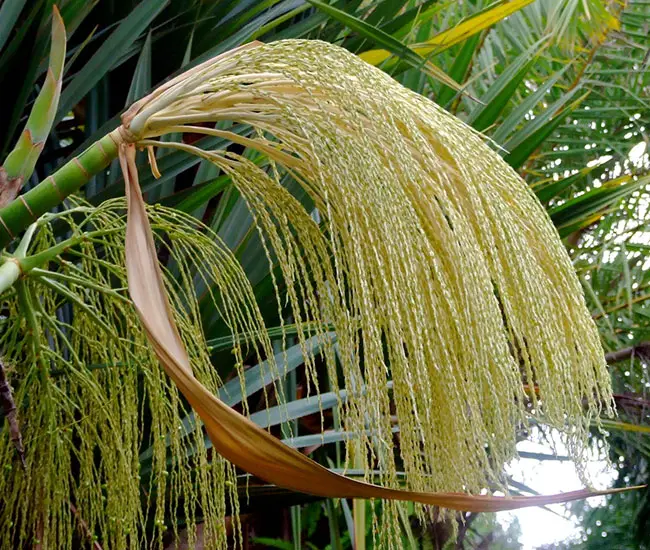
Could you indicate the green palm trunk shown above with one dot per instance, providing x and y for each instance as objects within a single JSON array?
[{"x": 17, "y": 215}]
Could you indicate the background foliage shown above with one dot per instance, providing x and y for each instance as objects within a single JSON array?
[{"x": 559, "y": 87}]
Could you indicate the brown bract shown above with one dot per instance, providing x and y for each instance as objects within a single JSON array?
[{"x": 9, "y": 187}]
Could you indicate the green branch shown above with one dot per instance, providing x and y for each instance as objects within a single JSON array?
[
  {"x": 25, "y": 209},
  {"x": 11, "y": 269},
  {"x": 20, "y": 264},
  {"x": 33, "y": 328}
]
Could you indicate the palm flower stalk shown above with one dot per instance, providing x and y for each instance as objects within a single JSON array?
[
  {"x": 86, "y": 381},
  {"x": 428, "y": 231},
  {"x": 445, "y": 282}
]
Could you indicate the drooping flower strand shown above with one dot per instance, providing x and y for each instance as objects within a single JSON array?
[{"x": 460, "y": 289}]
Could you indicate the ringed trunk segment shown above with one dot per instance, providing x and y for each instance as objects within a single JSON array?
[{"x": 27, "y": 208}]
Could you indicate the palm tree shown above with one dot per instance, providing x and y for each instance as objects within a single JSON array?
[{"x": 324, "y": 154}]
